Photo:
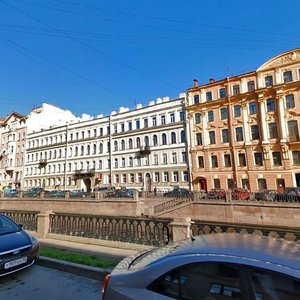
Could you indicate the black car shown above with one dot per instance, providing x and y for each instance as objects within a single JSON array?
[
  {"x": 56, "y": 194},
  {"x": 17, "y": 249},
  {"x": 180, "y": 192}
]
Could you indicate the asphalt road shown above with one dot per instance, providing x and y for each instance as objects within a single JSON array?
[{"x": 39, "y": 282}]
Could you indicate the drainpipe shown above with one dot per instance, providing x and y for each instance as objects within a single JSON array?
[{"x": 66, "y": 157}]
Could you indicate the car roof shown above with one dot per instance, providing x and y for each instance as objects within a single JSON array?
[{"x": 253, "y": 247}]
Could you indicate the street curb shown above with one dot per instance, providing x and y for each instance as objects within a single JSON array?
[{"x": 69, "y": 267}]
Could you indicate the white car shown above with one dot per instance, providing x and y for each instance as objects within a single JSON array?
[{"x": 217, "y": 266}]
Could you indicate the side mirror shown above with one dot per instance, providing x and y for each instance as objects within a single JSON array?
[{"x": 21, "y": 225}]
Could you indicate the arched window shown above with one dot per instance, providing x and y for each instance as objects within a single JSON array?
[
  {"x": 82, "y": 150},
  {"x": 76, "y": 151},
  {"x": 197, "y": 118},
  {"x": 116, "y": 146},
  {"x": 138, "y": 142},
  {"x": 101, "y": 148},
  {"x": 155, "y": 140},
  {"x": 122, "y": 145},
  {"x": 164, "y": 139},
  {"x": 130, "y": 145},
  {"x": 146, "y": 141},
  {"x": 182, "y": 136},
  {"x": 88, "y": 150},
  {"x": 173, "y": 138},
  {"x": 94, "y": 148}
]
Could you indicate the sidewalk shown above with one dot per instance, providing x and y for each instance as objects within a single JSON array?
[{"x": 78, "y": 269}]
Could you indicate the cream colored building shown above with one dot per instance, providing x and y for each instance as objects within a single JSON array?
[
  {"x": 244, "y": 129},
  {"x": 143, "y": 148}
]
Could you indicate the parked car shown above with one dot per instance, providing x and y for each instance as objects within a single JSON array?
[
  {"x": 268, "y": 195},
  {"x": 33, "y": 192},
  {"x": 79, "y": 194},
  {"x": 216, "y": 194},
  {"x": 56, "y": 194},
  {"x": 291, "y": 194},
  {"x": 213, "y": 266},
  {"x": 180, "y": 192},
  {"x": 124, "y": 193},
  {"x": 240, "y": 194},
  {"x": 17, "y": 249},
  {"x": 11, "y": 193}
]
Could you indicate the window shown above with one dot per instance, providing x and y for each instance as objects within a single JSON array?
[
  {"x": 217, "y": 183},
  {"x": 200, "y": 162},
  {"x": 255, "y": 132},
  {"x": 287, "y": 76},
  {"x": 290, "y": 101},
  {"x": 251, "y": 86},
  {"x": 165, "y": 159},
  {"x": 227, "y": 160},
  {"x": 155, "y": 140},
  {"x": 172, "y": 117},
  {"x": 235, "y": 90},
  {"x": 156, "y": 177},
  {"x": 268, "y": 81},
  {"x": 131, "y": 178},
  {"x": 165, "y": 177},
  {"x": 262, "y": 184},
  {"x": 140, "y": 178},
  {"x": 199, "y": 139},
  {"x": 293, "y": 130},
  {"x": 197, "y": 118},
  {"x": 212, "y": 137},
  {"x": 225, "y": 135},
  {"x": 237, "y": 109},
  {"x": 196, "y": 99},
  {"x": 137, "y": 124},
  {"x": 273, "y": 131},
  {"x": 208, "y": 96},
  {"x": 130, "y": 144},
  {"x": 129, "y": 125},
  {"x": 145, "y": 123},
  {"x": 296, "y": 157},
  {"x": 258, "y": 159},
  {"x": 155, "y": 159},
  {"x": 214, "y": 161},
  {"x": 175, "y": 176},
  {"x": 252, "y": 108},
  {"x": 239, "y": 134},
  {"x": 164, "y": 139},
  {"x": 182, "y": 116},
  {"x": 222, "y": 93},
  {"x": 174, "y": 158},
  {"x": 210, "y": 116},
  {"x": 270, "y": 105},
  {"x": 185, "y": 176},
  {"x": 242, "y": 159},
  {"x": 230, "y": 183},
  {"x": 183, "y": 157},
  {"x": 182, "y": 136},
  {"x": 130, "y": 162},
  {"x": 154, "y": 121},
  {"x": 163, "y": 120},
  {"x": 277, "y": 159},
  {"x": 146, "y": 141},
  {"x": 122, "y": 145},
  {"x": 173, "y": 138},
  {"x": 224, "y": 114}
]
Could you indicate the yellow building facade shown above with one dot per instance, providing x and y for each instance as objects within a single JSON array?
[{"x": 244, "y": 129}]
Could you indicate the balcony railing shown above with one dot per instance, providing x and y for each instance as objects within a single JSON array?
[
  {"x": 42, "y": 162},
  {"x": 85, "y": 172}
]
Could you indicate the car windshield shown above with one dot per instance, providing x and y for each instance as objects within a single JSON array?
[{"x": 7, "y": 226}]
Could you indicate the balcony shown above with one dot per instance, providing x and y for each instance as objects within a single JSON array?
[
  {"x": 145, "y": 150},
  {"x": 42, "y": 163},
  {"x": 81, "y": 173},
  {"x": 9, "y": 169}
]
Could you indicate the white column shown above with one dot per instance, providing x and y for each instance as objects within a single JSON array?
[
  {"x": 205, "y": 135},
  {"x": 246, "y": 125},
  {"x": 264, "y": 125},
  {"x": 282, "y": 124}
]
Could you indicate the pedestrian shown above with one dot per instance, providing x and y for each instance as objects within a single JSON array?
[{"x": 155, "y": 191}]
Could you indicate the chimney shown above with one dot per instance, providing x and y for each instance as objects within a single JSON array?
[
  {"x": 211, "y": 80},
  {"x": 195, "y": 82}
]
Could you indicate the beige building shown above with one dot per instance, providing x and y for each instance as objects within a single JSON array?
[
  {"x": 12, "y": 147},
  {"x": 244, "y": 129}
]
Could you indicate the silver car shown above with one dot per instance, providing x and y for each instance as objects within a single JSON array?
[{"x": 216, "y": 266}]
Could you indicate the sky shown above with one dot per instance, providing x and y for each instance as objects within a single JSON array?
[{"x": 95, "y": 56}]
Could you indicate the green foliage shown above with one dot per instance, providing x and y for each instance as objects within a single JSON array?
[{"x": 76, "y": 257}]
